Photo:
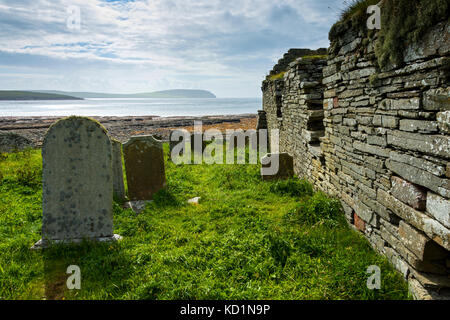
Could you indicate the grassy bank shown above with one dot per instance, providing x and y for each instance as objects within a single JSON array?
[{"x": 247, "y": 239}]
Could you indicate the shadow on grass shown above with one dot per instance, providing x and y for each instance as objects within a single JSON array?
[{"x": 102, "y": 266}]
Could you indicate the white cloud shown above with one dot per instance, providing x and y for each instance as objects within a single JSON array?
[{"x": 158, "y": 43}]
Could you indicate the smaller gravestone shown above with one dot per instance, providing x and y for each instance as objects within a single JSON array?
[
  {"x": 277, "y": 166},
  {"x": 118, "y": 183},
  {"x": 77, "y": 182},
  {"x": 10, "y": 142},
  {"x": 144, "y": 165}
]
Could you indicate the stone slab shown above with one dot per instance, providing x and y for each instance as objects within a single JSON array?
[
  {"x": 77, "y": 181},
  {"x": 285, "y": 166},
  {"x": 409, "y": 193},
  {"x": 144, "y": 165},
  {"x": 439, "y": 208},
  {"x": 10, "y": 142}
]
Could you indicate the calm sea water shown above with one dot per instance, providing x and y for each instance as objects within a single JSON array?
[{"x": 131, "y": 107}]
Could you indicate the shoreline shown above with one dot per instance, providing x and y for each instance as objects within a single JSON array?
[{"x": 122, "y": 128}]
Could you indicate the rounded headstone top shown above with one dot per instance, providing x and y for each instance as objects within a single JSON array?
[
  {"x": 149, "y": 140},
  {"x": 74, "y": 122}
]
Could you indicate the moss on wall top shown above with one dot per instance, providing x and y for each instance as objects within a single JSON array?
[
  {"x": 402, "y": 22},
  {"x": 277, "y": 76}
]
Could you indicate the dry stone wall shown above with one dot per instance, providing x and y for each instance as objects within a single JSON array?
[{"x": 380, "y": 141}]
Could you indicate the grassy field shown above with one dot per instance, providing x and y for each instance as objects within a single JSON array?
[{"x": 247, "y": 239}]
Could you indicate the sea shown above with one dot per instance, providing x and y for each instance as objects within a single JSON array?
[{"x": 131, "y": 107}]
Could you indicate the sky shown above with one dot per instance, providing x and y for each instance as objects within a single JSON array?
[{"x": 131, "y": 46}]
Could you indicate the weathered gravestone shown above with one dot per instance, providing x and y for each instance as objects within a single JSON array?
[
  {"x": 144, "y": 165},
  {"x": 10, "y": 142},
  {"x": 118, "y": 184},
  {"x": 197, "y": 142},
  {"x": 277, "y": 166},
  {"x": 77, "y": 183}
]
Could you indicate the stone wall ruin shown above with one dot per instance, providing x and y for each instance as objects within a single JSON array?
[{"x": 379, "y": 140}]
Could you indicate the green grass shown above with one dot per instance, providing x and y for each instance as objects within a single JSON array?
[
  {"x": 315, "y": 57},
  {"x": 247, "y": 239}
]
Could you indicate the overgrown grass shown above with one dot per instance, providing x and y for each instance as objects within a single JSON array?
[
  {"x": 247, "y": 239},
  {"x": 403, "y": 22},
  {"x": 356, "y": 9}
]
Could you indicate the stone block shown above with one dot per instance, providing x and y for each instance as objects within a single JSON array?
[
  {"x": 429, "y": 226},
  {"x": 413, "y": 239},
  {"x": 333, "y": 78},
  {"x": 418, "y": 126},
  {"x": 358, "y": 74},
  {"x": 377, "y": 140},
  {"x": 335, "y": 102},
  {"x": 351, "y": 93},
  {"x": 443, "y": 121},
  {"x": 420, "y": 163},
  {"x": 432, "y": 281},
  {"x": 389, "y": 122},
  {"x": 377, "y": 120},
  {"x": 439, "y": 208},
  {"x": 417, "y": 176},
  {"x": 312, "y": 136},
  {"x": 397, "y": 242},
  {"x": 420, "y": 293},
  {"x": 349, "y": 122},
  {"x": 366, "y": 214},
  {"x": 409, "y": 193},
  {"x": 437, "y": 99},
  {"x": 359, "y": 223},
  {"x": 434, "y": 42},
  {"x": 379, "y": 151},
  {"x": 400, "y": 104}
]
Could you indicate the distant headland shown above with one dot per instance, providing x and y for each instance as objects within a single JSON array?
[
  {"x": 65, "y": 95},
  {"x": 30, "y": 95}
]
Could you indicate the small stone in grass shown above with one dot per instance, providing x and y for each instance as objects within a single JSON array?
[
  {"x": 136, "y": 206},
  {"x": 194, "y": 200}
]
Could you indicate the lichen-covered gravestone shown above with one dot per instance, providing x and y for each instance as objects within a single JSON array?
[
  {"x": 77, "y": 183},
  {"x": 10, "y": 142},
  {"x": 118, "y": 184},
  {"x": 144, "y": 165}
]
